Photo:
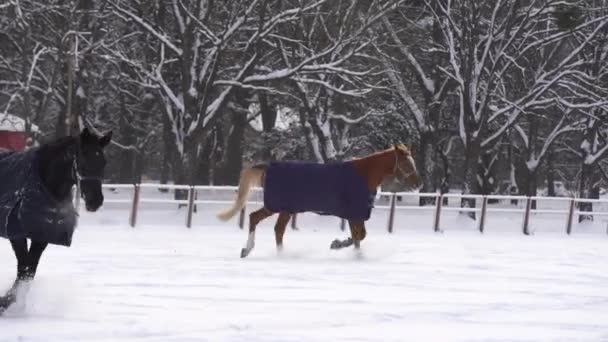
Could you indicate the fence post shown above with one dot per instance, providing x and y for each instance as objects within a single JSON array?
[
  {"x": 482, "y": 217},
  {"x": 293, "y": 221},
  {"x": 242, "y": 218},
  {"x": 527, "y": 216},
  {"x": 391, "y": 214},
  {"x": 342, "y": 224},
  {"x": 438, "y": 206},
  {"x": 570, "y": 216},
  {"x": 134, "y": 205},
  {"x": 190, "y": 206}
]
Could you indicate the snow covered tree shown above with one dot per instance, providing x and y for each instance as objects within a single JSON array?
[
  {"x": 29, "y": 66},
  {"x": 412, "y": 51},
  {"x": 207, "y": 50},
  {"x": 491, "y": 43}
]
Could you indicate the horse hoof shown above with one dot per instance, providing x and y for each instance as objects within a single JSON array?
[
  {"x": 336, "y": 244},
  {"x": 244, "y": 252}
]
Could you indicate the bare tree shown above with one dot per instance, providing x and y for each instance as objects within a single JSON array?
[
  {"x": 487, "y": 44},
  {"x": 414, "y": 51}
]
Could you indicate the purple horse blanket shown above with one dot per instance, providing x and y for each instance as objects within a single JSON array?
[
  {"x": 27, "y": 208},
  {"x": 326, "y": 189}
]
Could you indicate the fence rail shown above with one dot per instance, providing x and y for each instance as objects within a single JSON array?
[{"x": 438, "y": 207}]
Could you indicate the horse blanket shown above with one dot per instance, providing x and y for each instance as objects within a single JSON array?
[
  {"x": 326, "y": 189},
  {"x": 27, "y": 208}
]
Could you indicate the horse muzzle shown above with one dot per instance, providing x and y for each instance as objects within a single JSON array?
[
  {"x": 414, "y": 182},
  {"x": 94, "y": 204}
]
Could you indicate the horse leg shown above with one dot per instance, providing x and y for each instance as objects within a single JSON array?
[
  {"x": 339, "y": 244},
  {"x": 279, "y": 228},
  {"x": 22, "y": 255},
  {"x": 357, "y": 232},
  {"x": 36, "y": 250},
  {"x": 34, "y": 254},
  {"x": 254, "y": 218}
]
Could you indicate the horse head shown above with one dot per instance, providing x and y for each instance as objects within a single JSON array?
[
  {"x": 404, "y": 169},
  {"x": 89, "y": 165}
]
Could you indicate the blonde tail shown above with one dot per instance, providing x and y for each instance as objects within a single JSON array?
[{"x": 249, "y": 177}]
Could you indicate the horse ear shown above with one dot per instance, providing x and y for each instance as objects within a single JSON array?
[
  {"x": 105, "y": 140},
  {"x": 412, "y": 149}
]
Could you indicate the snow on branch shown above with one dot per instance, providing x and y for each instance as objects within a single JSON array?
[
  {"x": 213, "y": 108},
  {"x": 426, "y": 80},
  {"x": 205, "y": 30},
  {"x": 179, "y": 104},
  {"x": 37, "y": 55},
  {"x": 560, "y": 129},
  {"x": 405, "y": 95},
  {"x": 289, "y": 71},
  {"x": 126, "y": 15},
  {"x": 349, "y": 120},
  {"x": 327, "y": 85}
]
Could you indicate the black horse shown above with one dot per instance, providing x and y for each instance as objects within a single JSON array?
[{"x": 36, "y": 198}]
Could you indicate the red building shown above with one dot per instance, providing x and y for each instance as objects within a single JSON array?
[{"x": 12, "y": 133}]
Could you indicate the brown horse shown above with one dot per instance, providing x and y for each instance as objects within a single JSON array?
[{"x": 343, "y": 189}]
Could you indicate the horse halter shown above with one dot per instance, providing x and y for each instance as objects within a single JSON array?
[
  {"x": 77, "y": 173},
  {"x": 398, "y": 167}
]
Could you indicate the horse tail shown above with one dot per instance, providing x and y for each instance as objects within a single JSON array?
[{"x": 249, "y": 177}]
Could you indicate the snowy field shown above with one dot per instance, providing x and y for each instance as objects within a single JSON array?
[{"x": 163, "y": 282}]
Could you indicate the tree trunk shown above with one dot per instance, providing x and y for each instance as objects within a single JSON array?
[
  {"x": 584, "y": 192},
  {"x": 69, "y": 92},
  {"x": 181, "y": 171},
  {"x": 531, "y": 174},
  {"x": 427, "y": 171},
  {"x": 446, "y": 176},
  {"x": 165, "y": 168},
  {"x": 586, "y": 181},
  {"x": 233, "y": 164},
  {"x": 126, "y": 157},
  {"x": 470, "y": 183},
  {"x": 60, "y": 127},
  {"x": 513, "y": 188},
  {"x": 550, "y": 174},
  {"x": 204, "y": 169},
  {"x": 179, "y": 177},
  {"x": 531, "y": 185},
  {"x": 269, "y": 118}
]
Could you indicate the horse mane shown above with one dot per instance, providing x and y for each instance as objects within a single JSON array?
[
  {"x": 58, "y": 144},
  {"x": 55, "y": 166},
  {"x": 376, "y": 166},
  {"x": 402, "y": 147}
]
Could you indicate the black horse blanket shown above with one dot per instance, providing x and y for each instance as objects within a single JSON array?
[
  {"x": 27, "y": 209},
  {"x": 326, "y": 189}
]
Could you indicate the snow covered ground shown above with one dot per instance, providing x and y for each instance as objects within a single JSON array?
[{"x": 163, "y": 282}]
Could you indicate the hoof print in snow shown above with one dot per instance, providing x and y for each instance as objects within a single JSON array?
[{"x": 6, "y": 302}]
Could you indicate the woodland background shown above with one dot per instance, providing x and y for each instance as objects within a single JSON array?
[{"x": 501, "y": 96}]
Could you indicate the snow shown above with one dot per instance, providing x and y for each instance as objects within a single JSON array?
[
  {"x": 590, "y": 159},
  {"x": 285, "y": 118},
  {"x": 163, "y": 282},
  {"x": 80, "y": 93},
  {"x": 12, "y": 123}
]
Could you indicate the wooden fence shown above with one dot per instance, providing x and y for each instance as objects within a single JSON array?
[{"x": 437, "y": 209}]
